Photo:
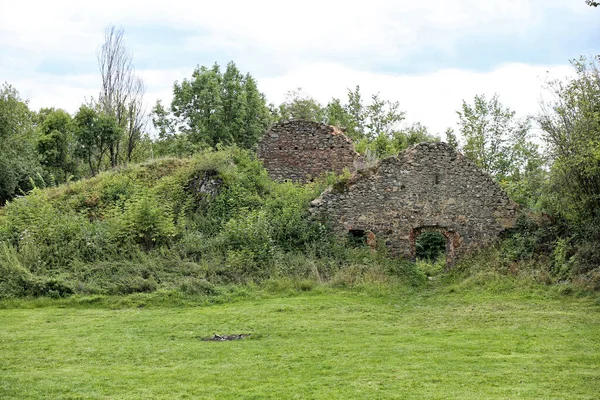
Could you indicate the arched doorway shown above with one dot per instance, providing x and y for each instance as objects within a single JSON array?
[
  {"x": 430, "y": 246},
  {"x": 452, "y": 241}
]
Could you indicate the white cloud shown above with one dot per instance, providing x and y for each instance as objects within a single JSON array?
[
  {"x": 430, "y": 98},
  {"x": 301, "y": 39},
  {"x": 66, "y": 92},
  {"x": 378, "y": 28}
]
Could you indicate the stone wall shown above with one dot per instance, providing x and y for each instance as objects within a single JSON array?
[
  {"x": 429, "y": 187},
  {"x": 299, "y": 150}
]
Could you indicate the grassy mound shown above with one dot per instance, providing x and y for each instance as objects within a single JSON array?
[{"x": 172, "y": 224}]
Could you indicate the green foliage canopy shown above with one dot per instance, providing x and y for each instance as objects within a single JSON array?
[
  {"x": 56, "y": 144},
  {"x": 216, "y": 108},
  {"x": 96, "y": 132},
  {"x": 571, "y": 123},
  {"x": 19, "y": 163}
]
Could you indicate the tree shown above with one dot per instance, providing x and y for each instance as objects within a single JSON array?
[
  {"x": 451, "y": 138},
  {"x": 234, "y": 102},
  {"x": 197, "y": 105},
  {"x": 383, "y": 117},
  {"x": 19, "y": 163},
  {"x": 494, "y": 138},
  {"x": 162, "y": 120},
  {"x": 212, "y": 108},
  {"x": 357, "y": 115},
  {"x": 592, "y": 3},
  {"x": 56, "y": 144},
  {"x": 299, "y": 105},
  {"x": 136, "y": 118},
  {"x": 386, "y": 145},
  {"x": 411, "y": 135},
  {"x": 122, "y": 93},
  {"x": 571, "y": 125},
  {"x": 257, "y": 117},
  {"x": 96, "y": 132}
]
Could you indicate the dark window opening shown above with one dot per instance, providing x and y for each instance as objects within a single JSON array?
[
  {"x": 430, "y": 246},
  {"x": 357, "y": 237},
  {"x": 436, "y": 179}
]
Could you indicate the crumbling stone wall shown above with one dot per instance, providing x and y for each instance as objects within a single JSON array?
[
  {"x": 299, "y": 150},
  {"x": 429, "y": 187}
]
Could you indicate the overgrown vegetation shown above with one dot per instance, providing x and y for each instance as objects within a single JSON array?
[
  {"x": 215, "y": 218},
  {"x": 176, "y": 224}
]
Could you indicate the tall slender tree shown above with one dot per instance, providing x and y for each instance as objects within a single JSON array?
[{"x": 122, "y": 93}]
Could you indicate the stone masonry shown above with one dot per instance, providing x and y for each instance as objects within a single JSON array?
[
  {"x": 429, "y": 187},
  {"x": 299, "y": 150}
]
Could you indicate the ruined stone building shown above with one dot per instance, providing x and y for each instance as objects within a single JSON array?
[
  {"x": 299, "y": 150},
  {"x": 429, "y": 187}
]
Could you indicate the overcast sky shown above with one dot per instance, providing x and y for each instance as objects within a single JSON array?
[{"x": 426, "y": 54}]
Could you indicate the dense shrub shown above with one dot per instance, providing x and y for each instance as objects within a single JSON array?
[
  {"x": 429, "y": 246},
  {"x": 145, "y": 221}
]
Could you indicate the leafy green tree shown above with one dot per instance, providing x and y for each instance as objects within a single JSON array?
[
  {"x": 163, "y": 121},
  {"x": 169, "y": 141},
  {"x": 95, "y": 132},
  {"x": 571, "y": 125},
  {"x": 19, "y": 163},
  {"x": 383, "y": 117},
  {"x": 233, "y": 102},
  {"x": 357, "y": 114},
  {"x": 451, "y": 138},
  {"x": 197, "y": 104},
  {"x": 212, "y": 108},
  {"x": 386, "y": 145},
  {"x": 336, "y": 114},
  {"x": 299, "y": 105},
  {"x": 56, "y": 144},
  {"x": 257, "y": 117},
  {"x": 495, "y": 139},
  {"x": 592, "y": 3}
]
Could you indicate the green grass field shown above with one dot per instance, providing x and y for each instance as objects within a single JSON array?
[{"x": 322, "y": 344}]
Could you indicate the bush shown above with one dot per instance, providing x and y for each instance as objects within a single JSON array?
[
  {"x": 135, "y": 284},
  {"x": 146, "y": 222},
  {"x": 196, "y": 286},
  {"x": 429, "y": 246},
  {"x": 15, "y": 280}
]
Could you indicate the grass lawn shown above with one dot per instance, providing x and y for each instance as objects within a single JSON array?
[{"x": 327, "y": 343}]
